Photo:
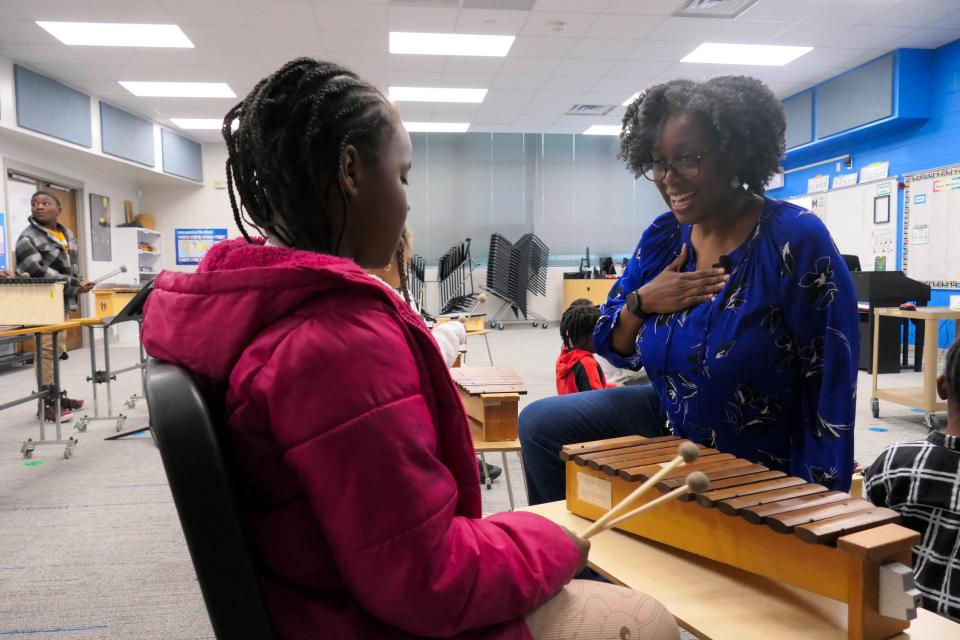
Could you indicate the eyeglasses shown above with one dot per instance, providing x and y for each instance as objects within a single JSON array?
[{"x": 685, "y": 167}]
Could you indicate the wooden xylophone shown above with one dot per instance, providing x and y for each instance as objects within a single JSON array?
[
  {"x": 759, "y": 520},
  {"x": 31, "y": 301},
  {"x": 491, "y": 396}
]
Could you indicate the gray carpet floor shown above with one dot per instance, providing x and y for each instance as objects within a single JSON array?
[{"x": 91, "y": 547}]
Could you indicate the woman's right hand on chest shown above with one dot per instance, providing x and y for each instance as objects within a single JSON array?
[{"x": 674, "y": 290}]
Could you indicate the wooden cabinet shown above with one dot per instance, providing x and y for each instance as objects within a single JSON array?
[{"x": 595, "y": 290}]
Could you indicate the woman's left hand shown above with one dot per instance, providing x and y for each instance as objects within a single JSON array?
[{"x": 85, "y": 286}]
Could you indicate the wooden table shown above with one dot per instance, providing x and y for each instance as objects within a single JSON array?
[
  {"x": 924, "y": 397},
  {"x": 595, "y": 290},
  {"x": 27, "y": 446},
  {"x": 109, "y": 301},
  {"x": 716, "y": 602}
]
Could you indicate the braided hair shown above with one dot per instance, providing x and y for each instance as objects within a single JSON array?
[
  {"x": 951, "y": 369},
  {"x": 405, "y": 241},
  {"x": 577, "y": 322},
  {"x": 285, "y": 141}
]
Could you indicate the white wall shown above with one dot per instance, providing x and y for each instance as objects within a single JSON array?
[{"x": 177, "y": 207}]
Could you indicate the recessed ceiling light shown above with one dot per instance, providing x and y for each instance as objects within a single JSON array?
[
  {"x": 436, "y": 127},
  {"x": 629, "y": 101},
  {"x": 212, "y": 124},
  {"x": 603, "y": 130},
  {"x": 767, "y": 55},
  {"x": 436, "y": 94},
  {"x": 179, "y": 89},
  {"x": 449, "y": 44},
  {"x": 117, "y": 34}
]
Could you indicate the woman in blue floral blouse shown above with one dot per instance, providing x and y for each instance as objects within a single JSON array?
[{"x": 739, "y": 307}]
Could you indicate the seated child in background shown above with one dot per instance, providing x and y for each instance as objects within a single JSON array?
[
  {"x": 921, "y": 481},
  {"x": 577, "y": 369}
]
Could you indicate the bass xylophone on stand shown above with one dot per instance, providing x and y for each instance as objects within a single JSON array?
[
  {"x": 761, "y": 521},
  {"x": 491, "y": 397},
  {"x": 31, "y": 301}
]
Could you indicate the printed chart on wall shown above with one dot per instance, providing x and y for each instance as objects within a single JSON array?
[
  {"x": 192, "y": 244},
  {"x": 861, "y": 219},
  {"x": 931, "y": 227}
]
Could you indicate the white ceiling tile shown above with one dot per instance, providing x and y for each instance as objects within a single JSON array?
[
  {"x": 717, "y": 30},
  {"x": 916, "y": 13},
  {"x": 852, "y": 11},
  {"x": 467, "y": 80},
  {"x": 244, "y": 14},
  {"x": 352, "y": 16},
  {"x": 512, "y": 96},
  {"x": 24, "y": 32},
  {"x": 527, "y": 119},
  {"x": 551, "y": 97},
  {"x": 39, "y": 53},
  {"x": 586, "y": 121},
  {"x": 542, "y": 47},
  {"x": 626, "y": 86},
  {"x": 546, "y": 23},
  {"x": 784, "y": 9},
  {"x": 491, "y": 22},
  {"x": 529, "y": 66},
  {"x": 513, "y": 81},
  {"x": 605, "y": 97},
  {"x": 949, "y": 21},
  {"x": 594, "y": 6},
  {"x": 423, "y": 19},
  {"x": 230, "y": 37},
  {"x": 555, "y": 109},
  {"x": 415, "y": 112},
  {"x": 147, "y": 11},
  {"x": 415, "y": 79},
  {"x": 48, "y": 9},
  {"x": 639, "y": 69},
  {"x": 812, "y": 34},
  {"x": 453, "y": 112},
  {"x": 344, "y": 40},
  {"x": 584, "y": 67},
  {"x": 473, "y": 64},
  {"x": 569, "y": 83},
  {"x": 401, "y": 62},
  {"x": 209, "y": 12},
  {"x": 490, "y": 112},
  {"x": 661, "y": 50},
  {"x": 621, "y": 26},
  {"x": 645, "y": 7},
  {"x": 824, "y": 57},
  {"x": 925, "y": 38},
  {"x": 602, "y": 48},
  {"x": 872, "y": 36}
]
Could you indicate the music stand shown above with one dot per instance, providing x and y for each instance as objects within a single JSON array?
[{"x": 132, "y": 312}]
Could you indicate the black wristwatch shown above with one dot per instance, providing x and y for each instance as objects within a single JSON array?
[{"x": 635, "y": 304}]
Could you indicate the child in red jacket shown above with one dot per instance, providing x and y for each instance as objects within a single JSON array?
[
  {"x": 361, "y": 500},
  {"x": 577, "y": 369}
]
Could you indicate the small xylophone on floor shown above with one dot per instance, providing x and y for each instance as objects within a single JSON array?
[
  {"x": 761, "y": 521},
  {"x": 491, "y": 396},
  {"x": 31, "y": 301}
]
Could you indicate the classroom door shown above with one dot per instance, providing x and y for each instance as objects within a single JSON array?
[{"x": 68, "y": 218}]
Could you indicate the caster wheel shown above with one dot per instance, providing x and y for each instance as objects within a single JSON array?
[
  {"x": 120, "y": 424},
  {"x": 544, "y": 325},
  {"x": 500, "y": 326},
  {"x": 27, "y": 453},
  {"x": 875, "y": 407},
  {"x": 534, "y": 325},
  {"x": 131, "y": 404},
  {"x": 932, "y": 421},
  {"x": 67, "y": 453},
  {"x": 81, "y": 426}
]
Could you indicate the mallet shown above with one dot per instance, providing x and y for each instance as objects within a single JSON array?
[
  {"x": 697, "y": 482},
  {"x": 115, "y": 272}
]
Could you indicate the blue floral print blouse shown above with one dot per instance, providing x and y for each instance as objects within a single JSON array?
[{"x": 767, "y": 371}]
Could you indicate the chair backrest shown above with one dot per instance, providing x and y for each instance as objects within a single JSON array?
[{"x": 191, "y": 453}]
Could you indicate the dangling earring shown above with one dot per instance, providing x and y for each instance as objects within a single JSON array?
[
  {"x": 735, "y": 182},
  {"x": 388, "y": 267}
]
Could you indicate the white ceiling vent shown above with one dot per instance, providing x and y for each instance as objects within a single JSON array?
[
  {"x": 714, "y": 8},
  {"x": 589, "y": 110}
]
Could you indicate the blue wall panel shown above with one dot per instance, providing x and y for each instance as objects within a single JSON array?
[
  {"x": 126, "y": 136},
  {"x": 855, "y": 98},
  {"x": 798, "y": 110},
  {"x": 925, "y": 145},
  {"x": 52, "y": 108},
  {"x": 181, "y": 156}
]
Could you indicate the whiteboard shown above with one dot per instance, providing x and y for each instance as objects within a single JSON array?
[
  {"x": 931, "y": 227},
  {"x": 848, "y": 214},
  {"x": 18, "y": 206}
]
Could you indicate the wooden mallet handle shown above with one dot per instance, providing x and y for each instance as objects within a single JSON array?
[
  {"x": 686, "y": 453},
  {"x": 697, "y": 482}
]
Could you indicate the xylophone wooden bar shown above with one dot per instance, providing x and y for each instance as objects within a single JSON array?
[
  {"x": 491, "y": 397},
  {"x": 753, "y": 518}
]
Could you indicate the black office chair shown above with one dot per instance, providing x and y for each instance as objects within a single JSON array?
[{"x": 187, "y": 439}]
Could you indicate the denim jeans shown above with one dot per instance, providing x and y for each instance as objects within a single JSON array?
[{"x": 548, "y": 424}]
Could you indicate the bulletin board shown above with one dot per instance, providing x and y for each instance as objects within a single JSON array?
[
  {"x": 861, "y": 219},
  {"x": 931, "y": 227},
  {"x": 192, "y": 244}
]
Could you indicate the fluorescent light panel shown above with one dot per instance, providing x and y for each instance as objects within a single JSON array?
[
  {"x": 436, "y": 94},
  {"x": 179, "y": 89},
  {"x": 117, "y": 34},
  {"x": 436, "y": 127},
  {"x": 603, "y": 130},
  {"x": 449, "y": 44},
  {"x": 751, "y": 54}
]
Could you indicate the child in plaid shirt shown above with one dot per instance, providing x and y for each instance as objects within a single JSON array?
[{"x": 921, "y": 481}]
